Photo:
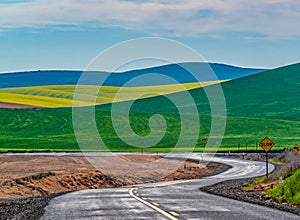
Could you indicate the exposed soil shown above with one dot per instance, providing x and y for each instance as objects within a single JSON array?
[
  {"x": 28, "y": 183},
  {"x": 23, "y": 176},
  {"x": 17, "y": 106}
]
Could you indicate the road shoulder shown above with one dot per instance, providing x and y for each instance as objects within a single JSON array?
[{"x": 233, "y": 189}]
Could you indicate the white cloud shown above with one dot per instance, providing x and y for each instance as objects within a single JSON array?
[{"x": 168, "y": 17}]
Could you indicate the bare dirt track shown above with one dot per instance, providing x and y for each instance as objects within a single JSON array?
[
  {"x": 24, "y": 176},
  {"x": 17, "y": 106}
]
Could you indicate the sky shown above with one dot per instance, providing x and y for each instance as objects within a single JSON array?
[{"x": 68, "y": 34}]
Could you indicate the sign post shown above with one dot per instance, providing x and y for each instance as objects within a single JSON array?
[
  {"x": 267, "y": 164},
  {"x": 267, "y": 144}
]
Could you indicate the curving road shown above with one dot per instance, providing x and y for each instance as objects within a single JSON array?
[{"x": 168, "y": 200}]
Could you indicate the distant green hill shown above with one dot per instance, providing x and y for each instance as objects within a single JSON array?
[
  {"x": 271, "y": 94},
  {"x": 266, "y": 104},
  {"x": 55, "y": 88}
]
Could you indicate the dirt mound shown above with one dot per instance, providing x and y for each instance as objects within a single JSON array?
[
  {"x": 23, "y": 176},
  {"x": 47, "y": 183}
]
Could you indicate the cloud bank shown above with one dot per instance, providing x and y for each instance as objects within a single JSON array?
[{"x": 277, "y": 18}]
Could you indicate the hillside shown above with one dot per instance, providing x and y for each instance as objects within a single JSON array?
[
  {"x": 57, "y": 96},
  {"x": 55, "y": 89},
  {"x": 58, "y": 77},
  {"x": 265, "y": 104},
  {"x": 52, "y": 130},
  {"x": 271, "y": 94}
]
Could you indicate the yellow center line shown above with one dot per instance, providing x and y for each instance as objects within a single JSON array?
[
  {"x": 169, "y": 216},
  {"x": 154, "y": 203},
  {"x": 174, "y": 213}
]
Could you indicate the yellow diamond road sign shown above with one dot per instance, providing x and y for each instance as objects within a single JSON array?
[{"x": 266, "y": 144}]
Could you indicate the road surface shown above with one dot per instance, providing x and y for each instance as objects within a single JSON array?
[{"x": 168, "y": 200}]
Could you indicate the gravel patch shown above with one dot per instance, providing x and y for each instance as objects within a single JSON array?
[
  {"x": 217, "y": 168},
  {"x": 30, "y": 208},
  {"x": 233, "y": 189}
]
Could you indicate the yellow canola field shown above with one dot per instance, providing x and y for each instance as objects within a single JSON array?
[{"x": 55, "y": 96}]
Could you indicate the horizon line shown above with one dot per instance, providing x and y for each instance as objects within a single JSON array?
[{"x": 141, "y": 68}]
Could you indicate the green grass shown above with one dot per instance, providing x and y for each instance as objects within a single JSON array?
[
  {"x": 276, "y": 162},
  {"x": 288, "y": 191},
  {"x": 28, "y": 130},
  {"x": 285, "y": 174},
  {"x": 250, "y": 186},
  {"x": 259, "y": 180},
  {"x": 266, "y": 104},
  {"x": 273, "y": 94}
]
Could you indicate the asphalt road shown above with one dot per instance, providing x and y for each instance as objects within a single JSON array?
[{"x": 169, "y": 200}]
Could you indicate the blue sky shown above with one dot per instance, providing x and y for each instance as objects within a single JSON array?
[{"x": 68, "y": 34}]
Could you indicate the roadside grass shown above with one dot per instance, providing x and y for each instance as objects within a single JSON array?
[
  {"x": 285, "y": 174},
  {"x": 288, "y": 191},
  {"x": 278, "y": 183},
  {"x": 250, "y": 186},
  {"x": 261, "y": 179},
  {"x": 277, "y": 162}
]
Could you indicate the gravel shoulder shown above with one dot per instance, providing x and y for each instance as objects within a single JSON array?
[
  {"x": 233, "y": 189},
  {"x": 29, "y": 208}
]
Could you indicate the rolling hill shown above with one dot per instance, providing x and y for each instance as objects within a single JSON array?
[
  {"x": 265, "y": 104},
  {"x": 57, "y": 77},
  {"x": 57, "y": 96},
  {"x": 271, "y": 94},
  {"x": 55, "y": 89}
]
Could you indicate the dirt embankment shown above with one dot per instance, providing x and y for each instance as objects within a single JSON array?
[{"x": 23, "y": 176}]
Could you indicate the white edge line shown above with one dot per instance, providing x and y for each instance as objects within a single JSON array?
[{"x": 152, "y": 206}]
